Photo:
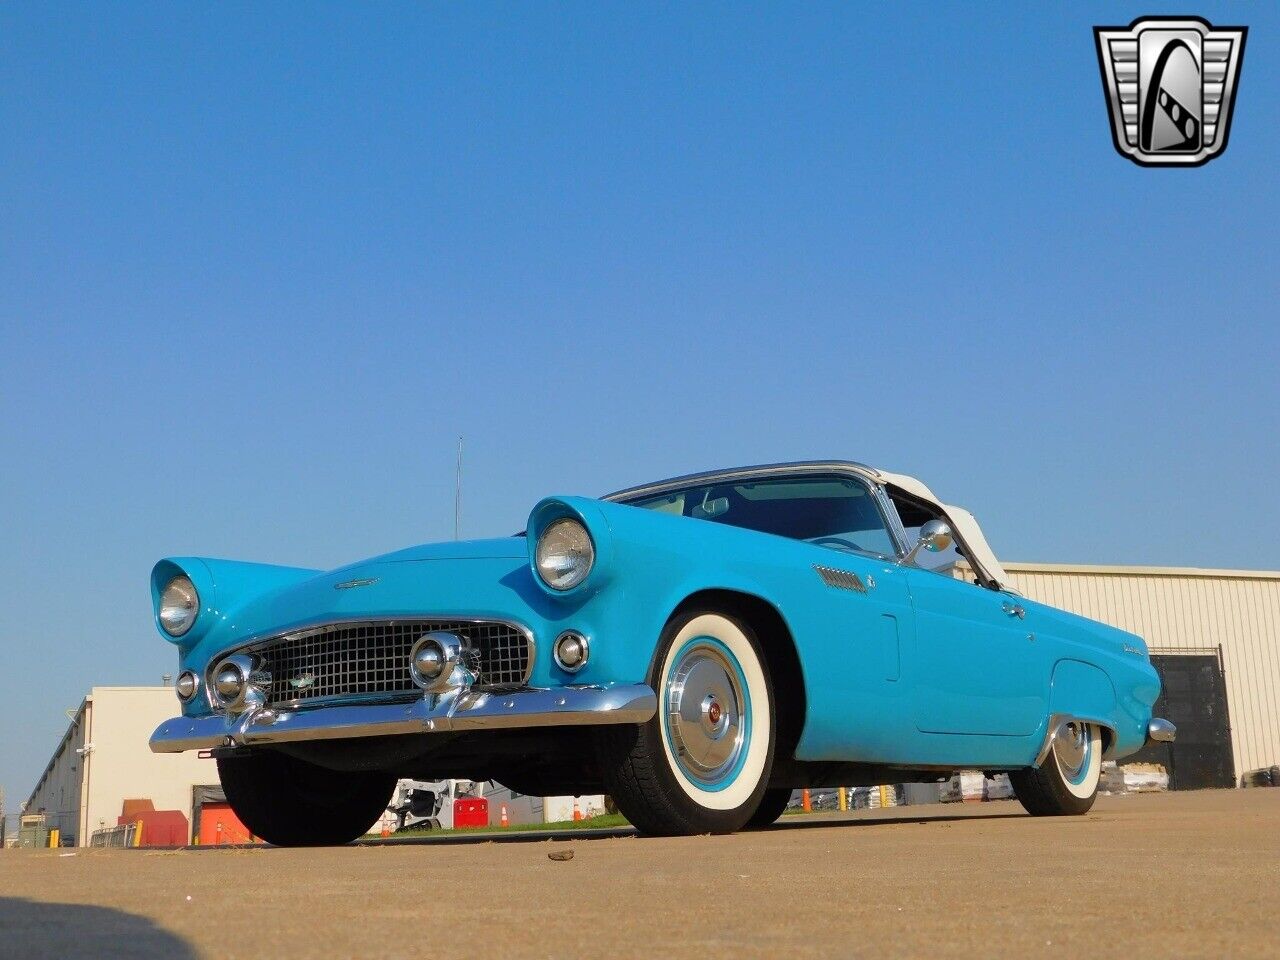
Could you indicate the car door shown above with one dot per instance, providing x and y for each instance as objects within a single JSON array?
[{"x": 975, "y": 666}]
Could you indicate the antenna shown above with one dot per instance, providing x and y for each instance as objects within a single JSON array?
[{"x": 457, "y": 497}]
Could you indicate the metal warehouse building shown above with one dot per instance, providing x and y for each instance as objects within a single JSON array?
[{"x": 1214, "y": 637}]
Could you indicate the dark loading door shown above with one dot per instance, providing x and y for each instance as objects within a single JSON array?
[{"x": 1194, "y": 697}]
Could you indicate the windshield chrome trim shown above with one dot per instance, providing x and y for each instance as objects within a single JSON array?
[
  {"x": 859, "y": 471},
  {"x": 736, "y": 473}
]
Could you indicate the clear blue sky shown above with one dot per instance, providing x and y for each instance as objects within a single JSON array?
[{"x": 261, "y": 265}]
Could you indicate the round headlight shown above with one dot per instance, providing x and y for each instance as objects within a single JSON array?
[
  {"x": 186, "y": 685},
  {"x": 179, "y": 604},
  {"x": 565, "y": 554}
]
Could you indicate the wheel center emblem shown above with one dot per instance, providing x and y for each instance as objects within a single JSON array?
[{"x": 713, "y": 712}]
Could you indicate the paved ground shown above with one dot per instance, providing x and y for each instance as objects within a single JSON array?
[{"x": 1187, "y": 875}]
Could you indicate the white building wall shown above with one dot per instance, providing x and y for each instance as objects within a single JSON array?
[
  {"x": 1175, "y": 608},
  {"x": 559, "y": 809},
  {"x": 84, "y": 792},
  {"x": 122, "y": 765}
]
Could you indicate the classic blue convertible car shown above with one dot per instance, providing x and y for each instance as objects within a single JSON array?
[{"x": 696, "y": 648}]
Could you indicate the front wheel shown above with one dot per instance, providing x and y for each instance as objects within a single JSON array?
[
  {"x": 1067, "y": 781},
  {"x": 772, "y": 805},
  {"x": 701, "y": 764},
  {"x": 290, "y": 803}
]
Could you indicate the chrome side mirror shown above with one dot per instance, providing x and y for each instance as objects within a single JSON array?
[{"x": 935, "y": 536}]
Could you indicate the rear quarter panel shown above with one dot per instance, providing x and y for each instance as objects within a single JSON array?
[{"x": 1100, "y": 673}]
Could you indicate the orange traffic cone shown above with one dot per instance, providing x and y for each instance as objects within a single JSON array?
[
  {"x": 805, "y": 803},
  {"x": 577, "y": 814},
  {"x": 386, "y": 829},
  {"x": 505, "y": 821}
]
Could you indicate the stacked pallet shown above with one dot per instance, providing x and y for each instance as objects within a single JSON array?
[
  {"x": 973, "y": 786},
  {"x": 1133, "y": 778},
  {"x": 965, "y": 786}
]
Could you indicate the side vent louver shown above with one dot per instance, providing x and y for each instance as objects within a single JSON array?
[{"x": 841, "y": 579}]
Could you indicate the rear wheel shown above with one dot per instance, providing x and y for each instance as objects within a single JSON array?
[
  {"x": 1067, "y": 781},
  {"x": 701, "y": 764},
  {"x": 291, "y": 803}
]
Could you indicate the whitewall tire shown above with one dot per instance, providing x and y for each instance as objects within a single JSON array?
[
  {"x": 701, "y": 765},
  {"x": 1067, "y": 781}
]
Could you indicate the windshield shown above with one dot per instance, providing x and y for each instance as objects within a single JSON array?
[{"x": 832, "y": 511}]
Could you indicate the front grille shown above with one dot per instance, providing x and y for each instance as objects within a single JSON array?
[{"x": 372, "y": 659}]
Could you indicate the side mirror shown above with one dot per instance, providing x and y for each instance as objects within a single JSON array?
[{"x": 935, "y": 536}]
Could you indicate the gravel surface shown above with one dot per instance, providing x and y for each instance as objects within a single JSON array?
[{"x": 1188, "y": 875}]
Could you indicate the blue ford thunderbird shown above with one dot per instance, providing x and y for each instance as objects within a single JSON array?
[{"x": 696, "y": 648}]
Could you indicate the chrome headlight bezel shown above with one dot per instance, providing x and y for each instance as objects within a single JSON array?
[
  {"x": 569, "y": 540},
  {"x": 191, "y": 607}
]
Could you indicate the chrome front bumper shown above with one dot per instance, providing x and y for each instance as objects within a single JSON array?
[
  {"x": 432, "y": 713},
  {"x": 1161, "y": 731}
]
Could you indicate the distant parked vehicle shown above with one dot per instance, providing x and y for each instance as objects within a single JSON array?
[
  {"x": 695, "y": 648},
  {"x": 416, "y": 805}
]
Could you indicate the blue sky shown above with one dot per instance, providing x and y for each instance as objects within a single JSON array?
[{"x": 261, "y": 265}]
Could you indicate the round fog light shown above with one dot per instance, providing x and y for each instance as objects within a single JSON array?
[
  {"x": 432, "y": 660},
  {"x": 429, "y": 660},
  {"x": 228, "y": 681},
  {"x": 571, "y": 651},
  {"x": 186, "y": 685}
]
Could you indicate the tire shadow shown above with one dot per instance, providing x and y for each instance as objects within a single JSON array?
[
  {"x": 783, "y": 825},
  {"x": 786, "y": 823},
  {"x": 515, "y": 836},
  {"x": 794, "y": 822},
  {"x": 36, "y": 930}
]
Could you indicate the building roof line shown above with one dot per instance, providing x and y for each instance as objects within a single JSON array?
[
  {"x": 62, "y": 745},
  {"x": 1117, "y": 570}
]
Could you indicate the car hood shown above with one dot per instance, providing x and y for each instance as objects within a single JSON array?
[{"x": 499, "y": 548}]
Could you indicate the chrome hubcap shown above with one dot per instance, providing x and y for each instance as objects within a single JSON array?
[
  {"x": 704, "y": 701},
  {"x": 1071, "y": 748}
]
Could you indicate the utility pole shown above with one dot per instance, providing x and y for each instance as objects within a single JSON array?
[{"x": 457, "y": 497}]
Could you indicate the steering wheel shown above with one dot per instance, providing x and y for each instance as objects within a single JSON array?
[{"x": 839, "y": 542}]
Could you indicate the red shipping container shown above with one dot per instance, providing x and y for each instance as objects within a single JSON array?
[
  {"x": 160, "y": 828},
  {"x": 471, "y": 812}
]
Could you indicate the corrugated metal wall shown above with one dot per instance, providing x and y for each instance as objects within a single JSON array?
[{"x": 1179, "y": 609}]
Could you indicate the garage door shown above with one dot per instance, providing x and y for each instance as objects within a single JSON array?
[
  {"x": 1194, "y": 697},
  {"x": 219, "y": 825}
]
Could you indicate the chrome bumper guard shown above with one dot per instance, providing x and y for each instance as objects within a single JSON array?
[
  {"x": 455, "y": 710},
  {"x": 1161, "y": 731}
]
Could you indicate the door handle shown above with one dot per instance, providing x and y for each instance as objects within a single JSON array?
[{"x": 1014, "y": 610}]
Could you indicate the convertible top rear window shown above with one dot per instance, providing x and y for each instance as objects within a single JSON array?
[{"x": 837, "y": 512}]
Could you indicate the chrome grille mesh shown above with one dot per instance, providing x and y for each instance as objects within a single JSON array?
[{"x": 372, "y": 658}]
